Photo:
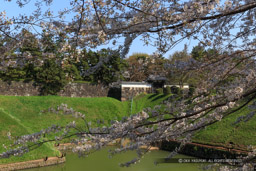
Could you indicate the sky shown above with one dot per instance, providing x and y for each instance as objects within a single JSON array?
[{"x": 12, "y": 9}]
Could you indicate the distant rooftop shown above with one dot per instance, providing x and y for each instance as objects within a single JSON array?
[{"x": 133, "y": 83}]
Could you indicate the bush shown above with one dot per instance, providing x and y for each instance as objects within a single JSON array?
[
  {"x": 191, "y": 90},
  {"x": 159, "y": 91},
  {"x": 175, "y": 90},
  {"x": 167, "y": 90},
  {"x": 181, "y": 91}
]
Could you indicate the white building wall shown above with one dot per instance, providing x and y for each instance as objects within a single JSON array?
[{"x": 136, "y": 86}]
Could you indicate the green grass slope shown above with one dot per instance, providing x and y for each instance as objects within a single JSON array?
[
  {"x": 225, "y": 131},
  {"x": 145, "y": 100},
  {"x": 8, "y": 123},
  {"x": 23, "y": 115}
]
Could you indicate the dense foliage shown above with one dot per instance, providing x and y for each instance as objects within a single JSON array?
[
  {"x": 52, "y": 69},
  {"x": 109, "y": 71},
  {"x": 141, "y": 66}
]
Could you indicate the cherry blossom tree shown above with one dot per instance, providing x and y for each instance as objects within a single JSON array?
[{"x": 225, "y": 25}]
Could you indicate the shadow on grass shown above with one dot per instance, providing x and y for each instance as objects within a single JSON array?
[
  {"x": 159, "y": 97},
  {"x": 152, "y": 96}
]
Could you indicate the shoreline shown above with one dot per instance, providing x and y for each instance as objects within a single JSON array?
[
  {"x": 203, "y": 150},
  {"x": 32, "y": 164}
]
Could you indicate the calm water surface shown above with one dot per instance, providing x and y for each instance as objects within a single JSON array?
[{"x": 99, "y": 161}]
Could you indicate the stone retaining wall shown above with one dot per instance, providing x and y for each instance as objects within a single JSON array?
[
  {"x": 19, "y": 88},
  {"x": 32, "y": 164},
  {"x": 84, "y": 90},
  {"x": 202, "y": 151}
]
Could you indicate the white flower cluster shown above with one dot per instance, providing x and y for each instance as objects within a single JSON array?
[
  {"x": 14, "y": 152},
  {"x": 64, "y": 109}
]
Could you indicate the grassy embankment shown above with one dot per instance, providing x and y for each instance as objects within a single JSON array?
[
  {"x": 226, "y": 131},
  {"x": 22, "y": 115},
  {"x": 221, "y": 133}
]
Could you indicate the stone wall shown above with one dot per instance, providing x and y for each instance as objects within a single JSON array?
[
  {"x": 32, "y": 164},
  {"x": 84, "y": 90},
  {"x": 202, "y": 151},
  {"x": 16, "y": 88},
  {"x": 19, "y": 88},
  {"x": 71, "y": 90},
  {"x": 128, "y": 92}
]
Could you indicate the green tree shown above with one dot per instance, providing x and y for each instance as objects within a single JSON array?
[
  {"x": 86, "y": 60},
  {"x": 50, "y": 77},
  {"x": 211, "y": 53},
  {"x": 176, "y": 72},
  {"x": 108, "y": 66},
  {"x": 198, "y": 52},
  {"x": 71, "y": 71},
  {"x": 12, "y": 74},
  {"x": 13, "y": 69},
  {"x": 30, "y": 72},
  {"x": 30, "y": 44},
  {"x": 136, "y": 67},
  {"x": 47, "y": 40},
  {"x": 180, "y": 55},
  {"x": 155, "y": 65}
]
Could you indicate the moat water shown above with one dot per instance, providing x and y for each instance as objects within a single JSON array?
[{"x": 99, "y": 161}]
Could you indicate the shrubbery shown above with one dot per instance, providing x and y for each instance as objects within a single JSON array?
[
  {"x": 167, "y": 90},
  {"x": 159, "y": 91},
  {"x": 191, "y": 90},
  {"x": 175, "y": 90}
]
